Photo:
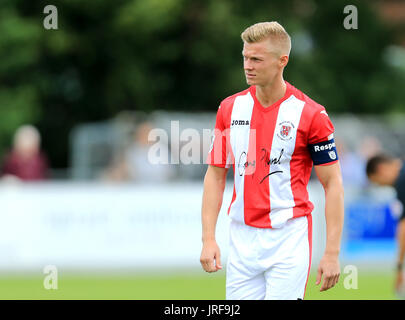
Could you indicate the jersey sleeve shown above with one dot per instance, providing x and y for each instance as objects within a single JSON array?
[
  {"x": 218, "y": 154},
  {"x": 321, "y": 142}
]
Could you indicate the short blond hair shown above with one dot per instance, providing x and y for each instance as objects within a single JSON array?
[{"x": 272, "y": 30}]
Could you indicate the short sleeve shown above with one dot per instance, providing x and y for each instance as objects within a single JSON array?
[
  {"x": 321, "y": 142},
  {"x": 219, "y": 152},
  {"x": 321, "y": 127}
]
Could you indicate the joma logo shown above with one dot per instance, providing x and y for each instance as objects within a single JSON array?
[{"x": 240, "y": 123}]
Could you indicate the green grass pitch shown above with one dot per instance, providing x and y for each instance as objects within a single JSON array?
[{"x": 172, "y": 286}]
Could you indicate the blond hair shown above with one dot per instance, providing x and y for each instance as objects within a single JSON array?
[{"x": 271, "y": 30}]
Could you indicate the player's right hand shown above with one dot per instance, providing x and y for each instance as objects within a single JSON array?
[{"x": 210, "y": 256}]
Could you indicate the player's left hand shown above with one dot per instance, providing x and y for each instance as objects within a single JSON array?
[{"x": 329, "y": 268}]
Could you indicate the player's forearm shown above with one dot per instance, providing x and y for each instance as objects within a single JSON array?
[
  {"x": 334, "y": 215},
  {"x": 211, "y": 204}
]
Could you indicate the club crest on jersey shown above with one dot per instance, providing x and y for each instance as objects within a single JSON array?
[{"x": 285, "y": 129}]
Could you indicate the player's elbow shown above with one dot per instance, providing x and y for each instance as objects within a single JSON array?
[
  {"x": 334, "y": 184},
  {"x": 215, "y": 175},
  {"x": 330, "y": 177}
]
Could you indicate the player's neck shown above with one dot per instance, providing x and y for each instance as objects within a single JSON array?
[{"x": 268, "y": 95}]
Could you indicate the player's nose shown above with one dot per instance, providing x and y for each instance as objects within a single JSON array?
[
  {"x": 248, "y": 70},
  {"x": 247, "y": 65}
]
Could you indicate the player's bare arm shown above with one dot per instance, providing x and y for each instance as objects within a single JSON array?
[
  {"x": 331, "y": 180},
  {"x": 214, "y": 185}
]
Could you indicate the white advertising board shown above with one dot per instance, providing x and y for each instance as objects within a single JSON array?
[{"x": 94, "y": 225}]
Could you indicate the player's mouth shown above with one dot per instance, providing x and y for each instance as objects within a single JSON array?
[{"x": 250, "y": 75}]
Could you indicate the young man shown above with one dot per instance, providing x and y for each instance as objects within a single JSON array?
[
  {"x": 272, "y": 134},
  {"x": 388, "y": 171}
]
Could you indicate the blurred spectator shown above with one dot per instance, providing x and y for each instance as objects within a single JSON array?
[
  {"x": 117, "y": 171},
  {"x": 26, "y": 161},
  {"x": 139, "y": 163},
  {"x": 385, "y": 170},
  {"x": 144, "y": 165}
]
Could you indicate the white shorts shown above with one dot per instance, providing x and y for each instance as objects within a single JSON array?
[{"x": 271, "y": 264}]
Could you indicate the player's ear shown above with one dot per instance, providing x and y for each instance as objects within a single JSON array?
[{"x": 283, "y": 60}]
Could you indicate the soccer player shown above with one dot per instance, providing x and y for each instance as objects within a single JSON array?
[
  {"x": 272, "y": 134},
  {"x": 385, "y": 170}
]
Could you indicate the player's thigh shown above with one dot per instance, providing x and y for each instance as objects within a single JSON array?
[
  {"x": 286, "y": 279},
  {"x": 286, "y": 283},
  {"x": 240, "y": 286},
  {"x": 244, "y": 281}
]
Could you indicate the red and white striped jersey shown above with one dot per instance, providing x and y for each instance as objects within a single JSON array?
[{"x": 269, "y": 151}]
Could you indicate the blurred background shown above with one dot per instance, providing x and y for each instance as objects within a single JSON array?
[{"x": 77, "y": 105}]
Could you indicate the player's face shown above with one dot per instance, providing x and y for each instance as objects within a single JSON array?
[{"x": 262, "y": 62}]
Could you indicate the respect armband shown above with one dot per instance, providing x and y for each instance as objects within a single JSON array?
[{"x": 323, "y": 152}]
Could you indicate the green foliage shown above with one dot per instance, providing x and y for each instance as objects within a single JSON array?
[
  {"x": 347, "y": 68},
  {"x": 19, "y": 54},
  {"x": 109, "y": 56}
]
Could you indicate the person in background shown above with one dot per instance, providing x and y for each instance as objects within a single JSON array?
[
  {"x": 385, "y": 170},
  {"x": 144, "y": 166},
  {"x": 26, "y": 161}
]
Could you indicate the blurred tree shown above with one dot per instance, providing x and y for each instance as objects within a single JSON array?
[
  {"x": 346, "y": 68},
  {"x": 19, "y": 55},
  {"x": 109, "y": 56}
]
